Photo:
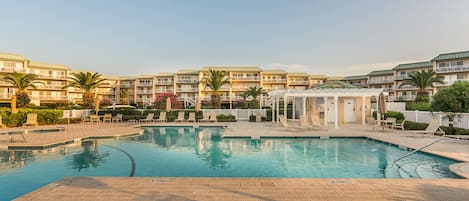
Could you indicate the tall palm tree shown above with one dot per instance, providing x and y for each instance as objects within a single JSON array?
[
  {"x": 255, "y": 92},
  {"x": 215, "y": 81},
  {"x": 124, "y": 95},
  {"x": 421, "y": 80},
  {"x": 22, "y": 82},
  {"x": 87, "y": 81}
]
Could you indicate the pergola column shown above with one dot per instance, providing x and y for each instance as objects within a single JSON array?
[
  {"x": 304, "y": 106},
  {"x": 336, "y": 111},
  {"x": 325, "y": 110},
  {"x": 278, "y": 109},
  {"x": 293, "y": 108},
  {"x": 273, "y": 110},
  {"x": 285, "y": 104},
  {"x": 363, "y": 110}
]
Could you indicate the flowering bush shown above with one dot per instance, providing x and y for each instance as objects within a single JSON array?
[
  {"x": 105, "y": 102},
  {"x": 22, "y": 99},
  {"x": 160, "y": 101}
]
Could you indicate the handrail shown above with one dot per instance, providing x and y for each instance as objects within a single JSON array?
[{"x": 420, "y": 148}]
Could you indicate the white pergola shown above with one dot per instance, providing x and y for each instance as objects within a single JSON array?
[{"x": 326, "y": 93}]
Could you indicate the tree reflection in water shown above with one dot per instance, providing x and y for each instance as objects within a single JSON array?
[
  {"x": 215, "y": 155},
  {"x": 87, "y": 158}
]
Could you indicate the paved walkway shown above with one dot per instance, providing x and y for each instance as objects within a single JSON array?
[{"x": 142, "y": 188}]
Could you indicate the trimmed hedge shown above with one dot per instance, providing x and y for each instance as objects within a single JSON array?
[
  {"x": 44, "y": 116},
  {"x": 420, "y": 106},
  {"x": 226, "y": 118},
  {"x": 392, "y": 114}
]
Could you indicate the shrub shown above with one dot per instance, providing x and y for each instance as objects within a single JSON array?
[
  {"x": 422, "y": 99},
  {"x": 421, "y": 106},
  {"x": 44, "y": 116},
  {"x": 452, "y": 99},
  {"x": 226, "y": 118},
  {"x": 392, "y": 114}
]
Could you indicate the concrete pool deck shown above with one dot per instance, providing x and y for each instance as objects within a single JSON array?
[{"x": 112, "y": 188}]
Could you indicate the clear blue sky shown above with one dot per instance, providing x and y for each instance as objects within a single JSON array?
[{"x": 322, "y": 37}]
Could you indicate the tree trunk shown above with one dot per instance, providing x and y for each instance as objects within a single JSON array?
[
  {"x": 88, "y": 99},
  {"x": 216, "y": 102}
]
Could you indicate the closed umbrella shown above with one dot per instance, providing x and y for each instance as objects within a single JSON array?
[
  {"x": 168, "y": 104},
  {"x": 197, "y": 104},
  {"x": 13, "y": 105},
  {"x": 96, "y": 105},
  {"x": 381, "y": 107}
]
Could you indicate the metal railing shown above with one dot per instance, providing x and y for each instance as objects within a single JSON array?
[
  {"x": 452, "y": 69},
  {"x": 298, "y": 82},
  {"x": 380, "y": 81},
  {"x": 275, "y": 80},
  {"x": 416, "y": 150},
  {"x": 164, "y": 83},
  {"x": 250, "y": 78},
  {"x": 187, "y": 90},
  {"x": 187, "y": 81},
  {"x": 47, "y": 76}
]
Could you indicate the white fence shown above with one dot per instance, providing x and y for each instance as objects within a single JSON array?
[
  {"x": 240, "y": 114},
  {"x": 461, "y": 121},
  {"x": 76, "y": 113},
  {"x": 394, "y": 106}
]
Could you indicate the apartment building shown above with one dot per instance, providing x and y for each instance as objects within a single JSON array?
[
  {"x": 10, "y": 63},
  {"x": 315, "y": 80},
  {"x": 401, "y": 73},
  {"x": 382, "y": 79},
  {"x": 357, "y": 80},
  {"x": 452, "y": 66},
  {"x": 186, "y": 83},
  {"x": 298, "y": 80},
  {"x": 274, "y": 80}
]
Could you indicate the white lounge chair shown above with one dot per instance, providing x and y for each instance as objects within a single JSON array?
[
  {"x": 400, "y": 125},
  {"x": 107, "y": 118},
  {"x": 162, "y": 117},
  {"x": 191, "y": 117},
  {"x": 205, "y": 117},
  {"x": 180, "y": 117},
  {"x": 117, "y": 118},
  {"x": 432, "y": 128},
  {"x": 149, "y": 118},
  {"x": 213, "y": 117},
  {"x": 31, "y": 120}
]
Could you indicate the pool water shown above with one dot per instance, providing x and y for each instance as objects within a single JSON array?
[{"x": 202, "y": 152}]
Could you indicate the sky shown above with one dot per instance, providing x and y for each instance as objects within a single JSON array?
[{"x": 348, "y": 37}]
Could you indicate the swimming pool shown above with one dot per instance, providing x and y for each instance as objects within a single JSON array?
[{"x": 201, "y": 152}]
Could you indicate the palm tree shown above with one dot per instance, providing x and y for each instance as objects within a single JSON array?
[
  {"x": 87, "y": 81},
  {"x": 421, "y": 80},
  {"x": 22, "y": 82},
  {"x": 255, "y": 92},
  {"x": 124, "y": 95},
  {"x": 215, "y": 81}
]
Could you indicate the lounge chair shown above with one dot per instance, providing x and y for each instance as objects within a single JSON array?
[
  {"x": 315, "y": 123},
  {"x": 149, "y": 118},
  {"x": 162, "y": 117},
  {"x": 205, "y": 117},
  {"x": 213, "y": 117},
  {"x": 31, "y": 120},
  {"x": 373, "y": 123},
  {"x": 191, "y": 117},
  {"x": 85, "y": 119},
  {"x": 117, "y": 118},
  {"x": 391, "y": 122},
  {"x": 107, "y": 118},
  {"x": 94, "y": 118},
  {"x": 1, "y": 123},
  {"x": 432, "y": 128},
  {"x": 400, "y": 125},
  {"x": 180, "y": 117}
]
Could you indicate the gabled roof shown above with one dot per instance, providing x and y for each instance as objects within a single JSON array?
[
  {"x": 11, "y": 56},
  {"x": 414, "y": 65},
  {"x": 233, "y": 68},
  {"x": 274, "y": 71},
  {"x": 381, "y": 72},
  {"x": 453, "y": 55},
  {"x": 36, "y": 64},
  {"x": 356, "y": 77},
  {"x": 188, "y": 72}
]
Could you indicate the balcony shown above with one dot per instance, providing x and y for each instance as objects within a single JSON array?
[
  {"x": 298, "y": 83},
  {"x": 187, "y": 81},
  {"x": 380, "y": 81},
  {"x": 107, "y": 92},
  {"x": 405, "y": 98},
  {"x": 221, "y": 89},
  {"x": 248, "y": 78},
  {"x": 51, "y": 87},
  {"x": 402, "y": 77},
  {"x": 452, "y": 69},
  {"x": 388, "y": 89},
  {"x": 164, "y": 83},
  {"x": 187, "y": 90},
  {"x": 141, "y": 100},
  {"x": 6, "y": 95},
  {"x": 3, "y": 83},
  {"x": 47, "y": 76},
  {"x": 144, "y": 92},
  {"x": 145, "y": 84},
  {"x": 127, "y": 85},
  {"x": 164, "y": 91},
  {"x": 10, "y": 70},
  {"x": 57, "y": 98},
  {"x": 274, "y": 80},
  {"x": 407, "y": 87}
]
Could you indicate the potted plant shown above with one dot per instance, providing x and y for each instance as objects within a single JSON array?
[{"x": 452, "y": 117}]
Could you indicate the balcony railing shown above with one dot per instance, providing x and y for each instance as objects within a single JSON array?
[
  {"x": 6, "y": 95},
  {"x": 144, "y": 92},
  {"x": 107, "y": 92},
  {"x": 49, "y": 97},
  {"x": 452, "y": 69},
  {"x": 405, "y": 98},
  {"x": 11, "y": 70},
  {"x": 53, "y": 87},
  {"x": 144, "y": 84},
  {"x": 187, "y": 90},
  {"x": 187, "y": 81},
  {"x": 221, "y": 89},
  {"x": 127, "y": 85},
  {"x": 164, "y": 83},
  {"x": 380, "y": 81},
  {"x": 402, "y": 77},
  {"x": 298, "y": 83},
  {"x": 164, "y": 91},
  {"x": 407, "y": 87},
  {"x": 248, "y": 78},
  {"x": 47, "y": 76},
  {"x": 275, "y": 80}
]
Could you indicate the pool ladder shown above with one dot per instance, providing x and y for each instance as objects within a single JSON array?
[{"x": 416, "y": 150}]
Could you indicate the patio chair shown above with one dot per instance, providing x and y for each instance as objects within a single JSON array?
[
  {"x": 205, "y": 117},
  {"x": 284, "y": 123},
  {"x": 373, "y": 123},
  {"x": 107, "y": 118},
  {"x": 180, "y": 117},
  {"x": 94, "y": 118},
  {"x": 400, "y": 125},
  {"x": 85, "y": 119},
  {"x": 315, "y": 122},
  {"x": 149, "y": 117},
  {"x": 162, "y": 117},
  {"x": 391, "y": 122},
  {"x": 191, "y": 117},
  {"x": 213, "y": 117},
  {"x": 117, "y": 118},
  {"x": 432, "y": 128},
  {"x": 31, "y": 120},
  {"x": 1, "y": 123}
]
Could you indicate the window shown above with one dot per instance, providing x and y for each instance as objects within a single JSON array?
[
  {"x": 9, "y": 64},
  {"x": 460, "y": 77}
]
